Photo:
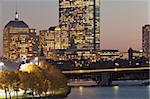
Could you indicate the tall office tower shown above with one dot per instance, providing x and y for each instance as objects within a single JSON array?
[
  {"x": 81, "y": 20},
  {"x": 18, "y": 40},
  {"x": 146, "y": 41},
  {"x": 53, "y": 39}
]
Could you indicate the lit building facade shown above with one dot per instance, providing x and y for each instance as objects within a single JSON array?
[
  {"x": 53, "y": 39},
  {"x": 81, "y": 20},
  {"x": 146, "y": 41},
  {"x": 19, "y": 41},
  {"x": 109, "y": 55}
]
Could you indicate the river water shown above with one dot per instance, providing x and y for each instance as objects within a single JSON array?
[{"x": 113, "y": 92}]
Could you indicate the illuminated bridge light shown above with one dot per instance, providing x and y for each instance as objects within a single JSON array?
[
  {"x": 104, "y": 70},
  {"x": 116, "y": 69},
  {"x": 81, "y": 71}
]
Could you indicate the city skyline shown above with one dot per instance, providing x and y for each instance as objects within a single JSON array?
[{"x": 108, "y": 39}]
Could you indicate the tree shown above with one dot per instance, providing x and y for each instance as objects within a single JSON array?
[
  {"x": 54, "y": 75},
  {"x": 8, "y": 79},
  {"x": 33, "y": 79},
  {"x": 39, "y": 79},
  {"x": 2, "y": 82}
]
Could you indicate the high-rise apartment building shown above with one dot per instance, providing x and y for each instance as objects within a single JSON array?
[
  {"x": 81, "y": 20},
  {"x": 18, "y": 40},
  {"x": 146, "y": 41}
]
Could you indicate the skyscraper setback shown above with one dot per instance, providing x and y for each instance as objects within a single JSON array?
[{"x": 81, "y": 20}]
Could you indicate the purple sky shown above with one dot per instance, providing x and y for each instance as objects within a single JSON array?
[{"x": 121, "y": 20}]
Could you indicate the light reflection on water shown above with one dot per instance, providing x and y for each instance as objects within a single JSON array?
[
  {"x": 114, "y": 92},
  {"x": 116, "y": 89},
  {"x": 81, "y": 90}
]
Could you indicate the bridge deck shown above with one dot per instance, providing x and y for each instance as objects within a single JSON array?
[{"x": 105, "y": 70}]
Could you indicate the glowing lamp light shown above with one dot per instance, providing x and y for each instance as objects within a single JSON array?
[
  {"x": 35, "y": 61},
  {"x": 137, "y": 63},
  {"x": 25, "y": 68},
  {"x": 31, "y": 63},
  {"x": 116, "y": 69},
  {"x": 1, "y": 64},
  {"x": 141, "y": 51},
  {"x": 116, "y": 64},
  {"x": 36, "y": 58},
  {"x": 81, "y": 71}
]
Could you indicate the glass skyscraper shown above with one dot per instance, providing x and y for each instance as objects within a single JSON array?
[{"x": 81, "y": 20}]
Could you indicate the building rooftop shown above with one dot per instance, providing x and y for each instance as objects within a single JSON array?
[
  {"x": 17, "y": 23},
  {"x": 109, "y": 50},
  {"x": 52, "y": 28}
]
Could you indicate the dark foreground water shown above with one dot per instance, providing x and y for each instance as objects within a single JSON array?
[{"x": 114, "y": 92}]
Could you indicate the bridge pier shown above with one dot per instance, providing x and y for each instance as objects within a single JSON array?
[{"x": 105, "y": 79}]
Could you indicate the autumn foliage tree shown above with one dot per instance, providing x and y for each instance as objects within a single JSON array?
[
  {"x": 9, "y": 81},
  {"x": 42, "y": 80}
]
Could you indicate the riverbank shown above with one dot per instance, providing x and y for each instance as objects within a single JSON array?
[
  {"x": 90, "y": 83},
  {"x": 29, "y": 95}
]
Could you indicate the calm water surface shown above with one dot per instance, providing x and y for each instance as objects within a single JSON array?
[{"x": 114, "y": 92}]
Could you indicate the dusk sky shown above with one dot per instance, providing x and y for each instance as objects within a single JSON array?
[{"x": 121, "y": 20}]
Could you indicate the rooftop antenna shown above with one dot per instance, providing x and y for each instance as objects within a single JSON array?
[{"x": 16, "y": 14}]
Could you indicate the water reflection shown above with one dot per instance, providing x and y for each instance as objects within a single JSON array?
[
  {"x": 149, "y": 89},
  {"x": 114, "y": 92},
  {"x": 81, "y": 90},
  {"x": 116, "y": 89}
]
